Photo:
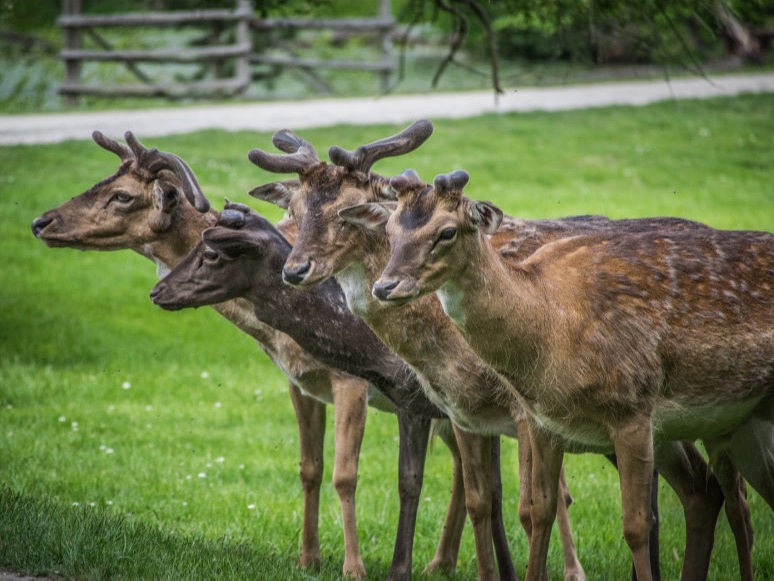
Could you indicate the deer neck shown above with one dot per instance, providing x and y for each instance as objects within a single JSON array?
[
  {"x": 489, "y": 300},
  {"x": 420, "y": 333},
  {"x": 318, "y": 319}
]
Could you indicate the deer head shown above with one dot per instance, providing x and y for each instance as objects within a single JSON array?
[
  {"x": 325, "y": 240},
  {"x": 222, "y": 266},
  {"x": 424, "y": 228},
  {"x": 132, "y": 207}
]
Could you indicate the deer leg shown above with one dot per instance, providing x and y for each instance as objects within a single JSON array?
[
  {"x": 502, "y": 549},
  {"x": 445, "y": 558},
  {"x": 476, "y": 454},
  {"x": 687, "y": 473},
  {"x": 350, "y": 401},
  {"x": 655, "y": 561},
  {"x": 310, "y": 415},
  {"x": 750, "y": 449},
  {"x": 414, "y": 432},
  {"x": 525, "y": 477},
  {"x": 546, "y": 468},
  {"x": 573, "y": 570},
  {"x": 633, "y": 443},
  {"x": 737, "y": 509}
]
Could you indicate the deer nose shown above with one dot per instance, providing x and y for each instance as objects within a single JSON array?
[
  {"x": 383, "y": 288},
  {"x": 156, "y": 291},
  {"x": 295, "y": 274},
  {"x": 39, "y": 224}
]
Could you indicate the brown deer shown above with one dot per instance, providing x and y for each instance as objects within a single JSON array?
[
  {"x": 142, "y": 207},
  {"x": 612, "y": 340},
  {"x": 323, "y": 202}
]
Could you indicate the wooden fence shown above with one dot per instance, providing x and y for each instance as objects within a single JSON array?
[{"x": 79, "y": 27}]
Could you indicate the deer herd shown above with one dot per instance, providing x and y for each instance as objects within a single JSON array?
[{"x": 630, "y": 338}]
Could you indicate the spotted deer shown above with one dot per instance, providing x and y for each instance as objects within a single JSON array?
[
  {"x": 324, "y": 203},
  {"x": 620, "y": 340},
  {"x": 153, "y": 205}
]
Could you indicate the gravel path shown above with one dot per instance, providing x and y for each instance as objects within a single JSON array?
[{"x": 270, "y": 116}]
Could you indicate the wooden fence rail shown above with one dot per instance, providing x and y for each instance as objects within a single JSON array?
[{"x": 79, "y": 26}]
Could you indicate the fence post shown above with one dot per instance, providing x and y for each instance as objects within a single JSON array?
[
  {"x": 244, "y": 37},
  {"x": 73, "y": 41},
  {"x": 386, "y": 12}
]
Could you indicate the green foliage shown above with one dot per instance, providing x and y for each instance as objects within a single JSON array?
[{"x": 187, "y": 474}]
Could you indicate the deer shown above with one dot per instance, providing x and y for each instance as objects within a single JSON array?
[
  {"x": 620, "y": 340},
  {"x": 154, "y": 205},
  {"x": 242, "y": 257},
  {"x": 324, "y": 202}
]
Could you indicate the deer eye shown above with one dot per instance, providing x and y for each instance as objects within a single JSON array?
[
  {"x": 121, "y": 197},
  {"x": 210, "y": 255},
  {"x": 447, "y": 234}
]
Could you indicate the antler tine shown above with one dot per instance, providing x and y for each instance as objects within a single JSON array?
[
  {"x": 138, "y": 148},
  {"x": 191, "y": 188},
  {"x": 300, "y": 154},
  {"x": 408, "y": 180},
  {"x": 287, "y": 141},
  {"x": 451, "y": 183},
  {"x": 113, "y": 146},
  {"x": 366, "y": 155}
]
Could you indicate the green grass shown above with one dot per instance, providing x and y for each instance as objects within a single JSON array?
[{"x": 99, "y": 481}]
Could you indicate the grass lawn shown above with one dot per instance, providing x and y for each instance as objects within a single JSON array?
[{"x": 136, "y": 443}]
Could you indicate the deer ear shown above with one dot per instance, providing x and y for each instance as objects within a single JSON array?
[
  {"x": 166, "y": 197},
  {"x": 373, "y": 215},
  {"x": 277, "y": 193},
  {"x": 486, "y": 216},
  {"x": 231, "y": 243}
]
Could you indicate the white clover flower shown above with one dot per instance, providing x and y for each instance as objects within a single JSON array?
[
  {"x": 250, "y": 507},
  {"x": 220, "y": 459},
  {"x": 204, "y": 375},
  {"x": 148, "y": 408},
  {"x": 202, "y": 475},
  {"x": 74, "y": 426},
  {"x": 62, "y": 419},
  {"x": 109, "y": 451},
  {"x": 126, "y": 385},
  {"x": 218, "y": 405}
]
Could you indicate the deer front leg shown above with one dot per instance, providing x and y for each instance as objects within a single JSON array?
[
  {"x": 687, "y": 473},
  {"x": 476, "y": 454},
  {"x": 414, "y": 433},
  {"x": 546, "y": 467},
  {"x": 573, "y": 570},
  {"x": 350, "y": 402},
  {"x": 501, "y": 546},
  {"x": 633, "y": 441},
  {"x": 310, "y": 415},
  {"x": 448, "y": 549},
  {"x": 737, "y": 510}
]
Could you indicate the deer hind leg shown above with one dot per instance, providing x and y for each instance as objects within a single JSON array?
[
  {"x": 687, "y": 473},
  {"x": 737, "y": 509},
  {"x": 750, "y": 449},
  {"x": 634, "y": 451},
  {"x": 546, "y": 467},
  {"x": 573, "y": 570},
  {"x": 350, "y": 401},
  {"x": 414, "y": 433},
  {"x": 446, "y": 554},
  {"x": 476, "y": 454},
  {"x": 310, "y": 415}
]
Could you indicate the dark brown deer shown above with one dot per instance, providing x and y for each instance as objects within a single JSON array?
[
  {"x": 613, "y": 340},
  {"x": 243, "y": 258},
  {"x": 142, "y": 207},
  {"x": 330, "y": 244}
]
